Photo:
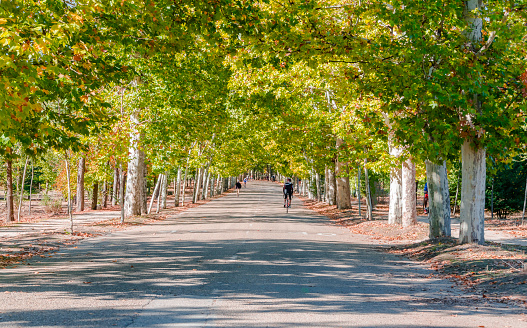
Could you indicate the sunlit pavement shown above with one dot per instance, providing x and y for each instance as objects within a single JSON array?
[{"x": 237, "y": 262}]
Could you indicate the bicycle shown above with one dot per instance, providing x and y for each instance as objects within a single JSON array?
[{"x": 287, "y": 204}]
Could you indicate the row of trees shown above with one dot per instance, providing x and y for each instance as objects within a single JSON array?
[{"x": 313, "y": 88}]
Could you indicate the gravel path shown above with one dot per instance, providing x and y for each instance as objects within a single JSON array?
[{"x": 237, "y": 262}]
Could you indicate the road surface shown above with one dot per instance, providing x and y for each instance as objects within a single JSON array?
[{"x": 237, "y": 262}]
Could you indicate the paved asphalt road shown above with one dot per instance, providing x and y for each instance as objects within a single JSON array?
[{"x": 237, "y": 262}]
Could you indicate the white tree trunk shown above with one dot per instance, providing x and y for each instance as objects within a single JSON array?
[
  {"x": 317, "y": 184},
  {"x": 369, "y": 203},
  {"x": 204, "y": 183},
  {"x": 22, "y": 189},
  {"x": 332, "y": 188},
  {"x": 70, "y": 210},
  {"x": 144, "y": 181},
  {"x": 164, "y": 193},
  {"x": 31, "y": 185},
  {"x": 472, "y": 208},
  {"x": 439, "y": 200},
  {"x": 115, "y": 188},
  {"x": 134, "y": 181},
  {"x": 80, "y": 184},
  {"x": 177, "y": 190},
  {"x": 184, "y": 185},
  {"x": 197, "y": 185},
  {"x": 121, "y": 191},
  {"x": 409, "y": 202},
  {"x": 154, "y": 194},
  {"x": 395, "y": 214}
]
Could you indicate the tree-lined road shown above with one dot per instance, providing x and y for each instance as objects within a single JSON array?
[{"x": 237, "y": 262}]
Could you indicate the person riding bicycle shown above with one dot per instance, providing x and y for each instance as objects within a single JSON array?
[{"x": 288, "y": 191}]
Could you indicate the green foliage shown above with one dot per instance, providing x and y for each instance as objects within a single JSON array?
[{"x": 509, "y": 186}]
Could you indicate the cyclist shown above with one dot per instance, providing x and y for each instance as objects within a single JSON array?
[
  {"x": 288, "y": 191},
  {"x": 245, "y": 183},
  {"x": 238, "y": 187}
]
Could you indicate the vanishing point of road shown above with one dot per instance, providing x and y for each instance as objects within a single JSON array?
[{"x": 238, "y": 262}]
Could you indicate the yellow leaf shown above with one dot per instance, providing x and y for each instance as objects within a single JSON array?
[{"x": 3, "y": 20}]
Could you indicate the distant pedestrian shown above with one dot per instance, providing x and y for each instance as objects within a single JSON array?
[
  {"x": 238, "y": 187},
  {"x": 425, "y": 199},
  {"x": 245, "y": 182}
]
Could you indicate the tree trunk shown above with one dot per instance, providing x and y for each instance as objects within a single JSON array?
[
  {"x": 409, "y": 204},
  {"x": 177, "y": 189},
  {"x": 395, "y": 214},
  {"x": 160, "y": 191},
  {"x": 332, "y": 199},
  {"x": 164, "y": 192},
  {"x": 457, "y": 194},
  {"x": 317, "y": 184},
  {"x": 359, "y": 191},
  {"x": 22, "y": 190},
  {"x": 154, "y": 194},
  {"x": 205, "y": 175},
  {"x": 134, "y": 180},
  {"x": 184, "y": 185},
  {"x": 105, "y": 194},
  {"x": 197, "y": 185},
  {"x": 95, "y": 196},
  {"x": 121, "y": 192},
  {"x": 524, "y": 202},
  {"x": 369, "y": 204},
  {"x": 342, "y": 182},
  {"x": 439, "y": 200},
  {"x": 472, "y": 211},
  {"x": 144, "y": 182},
  {"x": 9, "y": 194},
  {"x": 68, "y": 179},
  {"x": 31, "y": 185},
  {"x": 206, "y": 185},
  {"x": 115, "y": 188},
  {"x": 81, "y": 167}
]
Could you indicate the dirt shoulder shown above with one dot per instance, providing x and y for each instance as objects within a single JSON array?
[{"x": 495, "y": 271}]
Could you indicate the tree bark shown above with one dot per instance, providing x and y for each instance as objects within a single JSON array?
[
  {"x": 164, "y": 186},
  {"x": 121, "y": 192},
  {"x": 197, "y": 185},
  {"x": 9, "y": 194},
  {"x": 369, "y": 203},
  {"x": 81, "y": 167},
  {"x": 332, "y": 188},
  {"x": 105, "y": 194},
  {"x": 395, "y": 214},
  {"x": 31, "y": 185},
  {"x": 206, "y": 185},
  {"x": 115, "y": 187},
  {"x": 95, "y": 196},
  {"x": 154, "y": 194},
  {"x": 439, "y": 200},
  {"x": 342, "y": 182},
  {"x": 205, "y": 175},
  {"x": 409, "y": 203},
  {"x": 134, "y": 186},
  {"x": 472, "y": 210},
  {"x": 317, "y": 184},
  {"x": 22, "y": 190},
  {"x": 177, "y": 189},
  {"x": 184, "y": 185},
  {"x": 144, "y": 182},
  {"x": 68, "y": 179}
]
